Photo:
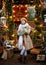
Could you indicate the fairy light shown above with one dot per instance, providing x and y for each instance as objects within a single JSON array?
[
  {"x": 34, "y": 5},
  {"x": 41, "y": 25},
  {"x": 35, "y": 31},
  {"x": 14, "y": 11},
  {"x": 13, "y": 15},
  {"x": 40, "y": 34},
  {"x": 26, "y": 5},
  {"x": 5, "y": 26},
  {"x": 10, "y": 17},
  {"x": 40, "y": 5},
  {"x": 21, "y": 6},
  {"x": 17, "y": 6},
  {"x": 26, "y": 15},
  {"x": 13, "y": 35},
  {"x": 13, "y": 6},
  {"x": 25, "y": 11},
  {"x": 35, "y": 19}
]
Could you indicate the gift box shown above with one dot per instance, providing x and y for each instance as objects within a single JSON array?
[
  {"x": 23, "y": 31},
  {"x": 40, "y": 57},
  {"x": 35, "y": 51}
]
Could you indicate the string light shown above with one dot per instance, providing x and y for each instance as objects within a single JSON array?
[
  {"x": 13, "y": 35},
  {"x": 26, "y": 5},
  {"x": 25, "y": 11},
  {"x": 17, "y": 6},
  {"x": 41, "y": 25},
  {"x": 13, "y": 15},
  {"x": 10, "y": 17},
  {"x": 40, "y": 34},
  {"x": 5, "y": 26},
  {"x": 13, "y": 6},
  {"x": 40, "y": 5},
  {"x": 13, "y": 11},
  {"x": 34, "y": 5},
  {"x": 26, "y": 15},
  {"x": 21, "y": 6},
  {"x": 35, "y": 19},
  {"x": 34, "y": 31}
]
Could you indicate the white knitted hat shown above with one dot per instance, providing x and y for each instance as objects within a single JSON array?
[{"x": 24, "y": 19}]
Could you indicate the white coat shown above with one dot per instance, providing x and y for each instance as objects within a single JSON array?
[{"x": 26, "y": 38}]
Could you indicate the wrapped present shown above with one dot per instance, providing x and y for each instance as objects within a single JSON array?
[
  {"x": 40, "y": 57},
  {"x": 23, "y": 31},
  {"x": 35, "y": 51}
]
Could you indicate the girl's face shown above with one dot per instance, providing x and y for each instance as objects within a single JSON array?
[{"x": 23, "y": 21}]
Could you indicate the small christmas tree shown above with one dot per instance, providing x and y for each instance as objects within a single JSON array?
[
  {"x": 6, "y": 12},
  {"x": 37, "y": 34},
  {"x": 10, "y": 22}
]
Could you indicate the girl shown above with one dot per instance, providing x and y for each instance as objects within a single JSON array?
[{"x": 24, "y": 42}]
